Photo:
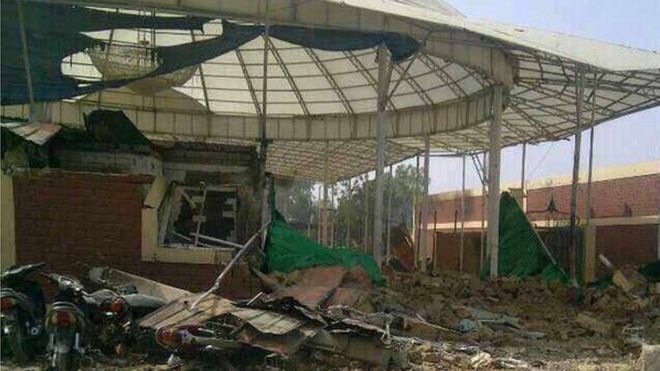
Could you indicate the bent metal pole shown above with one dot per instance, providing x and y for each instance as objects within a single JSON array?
[{"x": 241, "y": 252}]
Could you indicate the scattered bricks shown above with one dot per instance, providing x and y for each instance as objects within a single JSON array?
[{"x": 590, "y": 323}]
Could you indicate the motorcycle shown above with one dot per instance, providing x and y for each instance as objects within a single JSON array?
[
  {"x": 22, "y": 307},
  {"x": 121, "y": 314},
  {"x": 102, "y": 320},
  {"x": 68, "y": 323},
  {"x": 118, "y": 328}
]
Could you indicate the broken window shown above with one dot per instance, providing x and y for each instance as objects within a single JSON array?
[{"x": 199, "y": 215}]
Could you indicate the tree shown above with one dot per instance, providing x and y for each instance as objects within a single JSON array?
[
  {"x": 352, "y": 211},
  {"x": 295, "y": 199}
]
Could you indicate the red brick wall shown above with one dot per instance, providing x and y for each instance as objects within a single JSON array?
[
  {"x": 66, "y": 218},
  {"x": 626, "y": 244},
  {"x": 446, "y": 255},
  {"x": 623, "y": 197},
  {"x": 633, "y": 196}
]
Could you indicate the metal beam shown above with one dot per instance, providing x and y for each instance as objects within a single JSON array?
[
  {"x": 201, "y": 74},
  {"x": 324, "y": 211},
  {"x": 328, "y": 76},
  {"x": 26, "y": 62},
  {"x": 388, "y": 231},
  {"x": 263, "y": 148},
  {"x": 522, "y": 178},
  {"x": 462, "y": 249},
  {"x": 579, "y": 87},
  {"x": 423, "y": 238},
  {"x": 291, "y": 81},
  {"x": 587, "y": 205},
  {"x": 494, "y": 182},
  {"x": 383, "y": 87}
]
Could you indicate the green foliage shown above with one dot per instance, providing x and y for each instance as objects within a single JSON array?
[{"x": 297, "y": 201}]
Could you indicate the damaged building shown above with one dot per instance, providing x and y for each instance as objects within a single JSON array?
[{"x": 109, "y": 196}]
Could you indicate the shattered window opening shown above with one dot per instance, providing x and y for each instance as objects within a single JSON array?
[{"x": 198, "y": 216}]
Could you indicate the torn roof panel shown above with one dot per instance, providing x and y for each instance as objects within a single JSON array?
[{"x": 35, "y": 132}]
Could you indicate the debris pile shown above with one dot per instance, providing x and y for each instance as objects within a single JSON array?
[{"x": 338, "y": 318}]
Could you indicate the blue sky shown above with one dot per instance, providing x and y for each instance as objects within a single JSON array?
[{"x": 631, "y": 139}]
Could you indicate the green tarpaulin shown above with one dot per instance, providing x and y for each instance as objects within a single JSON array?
[
  {"x": 521, "y": 251},
  {"x": 289, "y": 250}
]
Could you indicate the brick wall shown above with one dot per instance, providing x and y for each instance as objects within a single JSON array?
[
  {"x": 622, "y": 197},
  {"x": 633, "y": 196},
  {"x": 446, "y": 254},
  {"x": 94, "y": 219},
  {"x": 626, "y": 244}
]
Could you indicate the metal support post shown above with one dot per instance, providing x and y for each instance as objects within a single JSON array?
[
  {"x": 263, "y": 148},
  {"x": 587, "y": 205},
  {"x": 349, "y": 197},
  {"x": 26, "y": 62},
  {"x": 324, "y": 210},
  {"x": 318, "y": 215},
  {"x": 388, "y": 232},
  {"x": 523, "y": 189},
  {"x": 332, "y": 215},
  {"x": 365, "y": 245},
  {"x": 423, "y": 238},
  {"x": 579, "y": 87},
  {"x": 482, "y": 240},
  {"x": 462, "y": 248},
  {"x": 413, "y": 217},
  {"x": 494, "y": 182},
  {"x": 381, "y": 128}
]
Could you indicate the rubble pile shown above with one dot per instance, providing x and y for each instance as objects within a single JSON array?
[
  {"x": 505, "y": 320},
  {"x": 530, "y": 317}
]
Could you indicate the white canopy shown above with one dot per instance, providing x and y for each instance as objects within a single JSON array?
[{"x": 322, "y": 105}]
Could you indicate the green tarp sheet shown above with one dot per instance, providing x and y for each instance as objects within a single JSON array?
[
  {"x": 521, "y": 252},
  {"x": 289, "y": 250}
]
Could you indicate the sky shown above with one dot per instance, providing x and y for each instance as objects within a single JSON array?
[{"x": 628, "y": 140}]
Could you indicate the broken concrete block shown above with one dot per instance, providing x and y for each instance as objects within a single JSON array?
[
  {"x": 650, "y": 357},
  {"x": 595, "y": 325}
]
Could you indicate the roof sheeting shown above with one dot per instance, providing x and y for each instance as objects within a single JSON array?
[{"x": 320, "y": 100}]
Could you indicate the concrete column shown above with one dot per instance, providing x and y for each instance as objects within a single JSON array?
[{"x": 494, "y": 182}]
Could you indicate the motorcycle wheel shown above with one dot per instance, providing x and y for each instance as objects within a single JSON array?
[{"x": 18, "y": 347}]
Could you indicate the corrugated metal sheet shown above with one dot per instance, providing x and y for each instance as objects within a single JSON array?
[{"x": 35, "y": 132}]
